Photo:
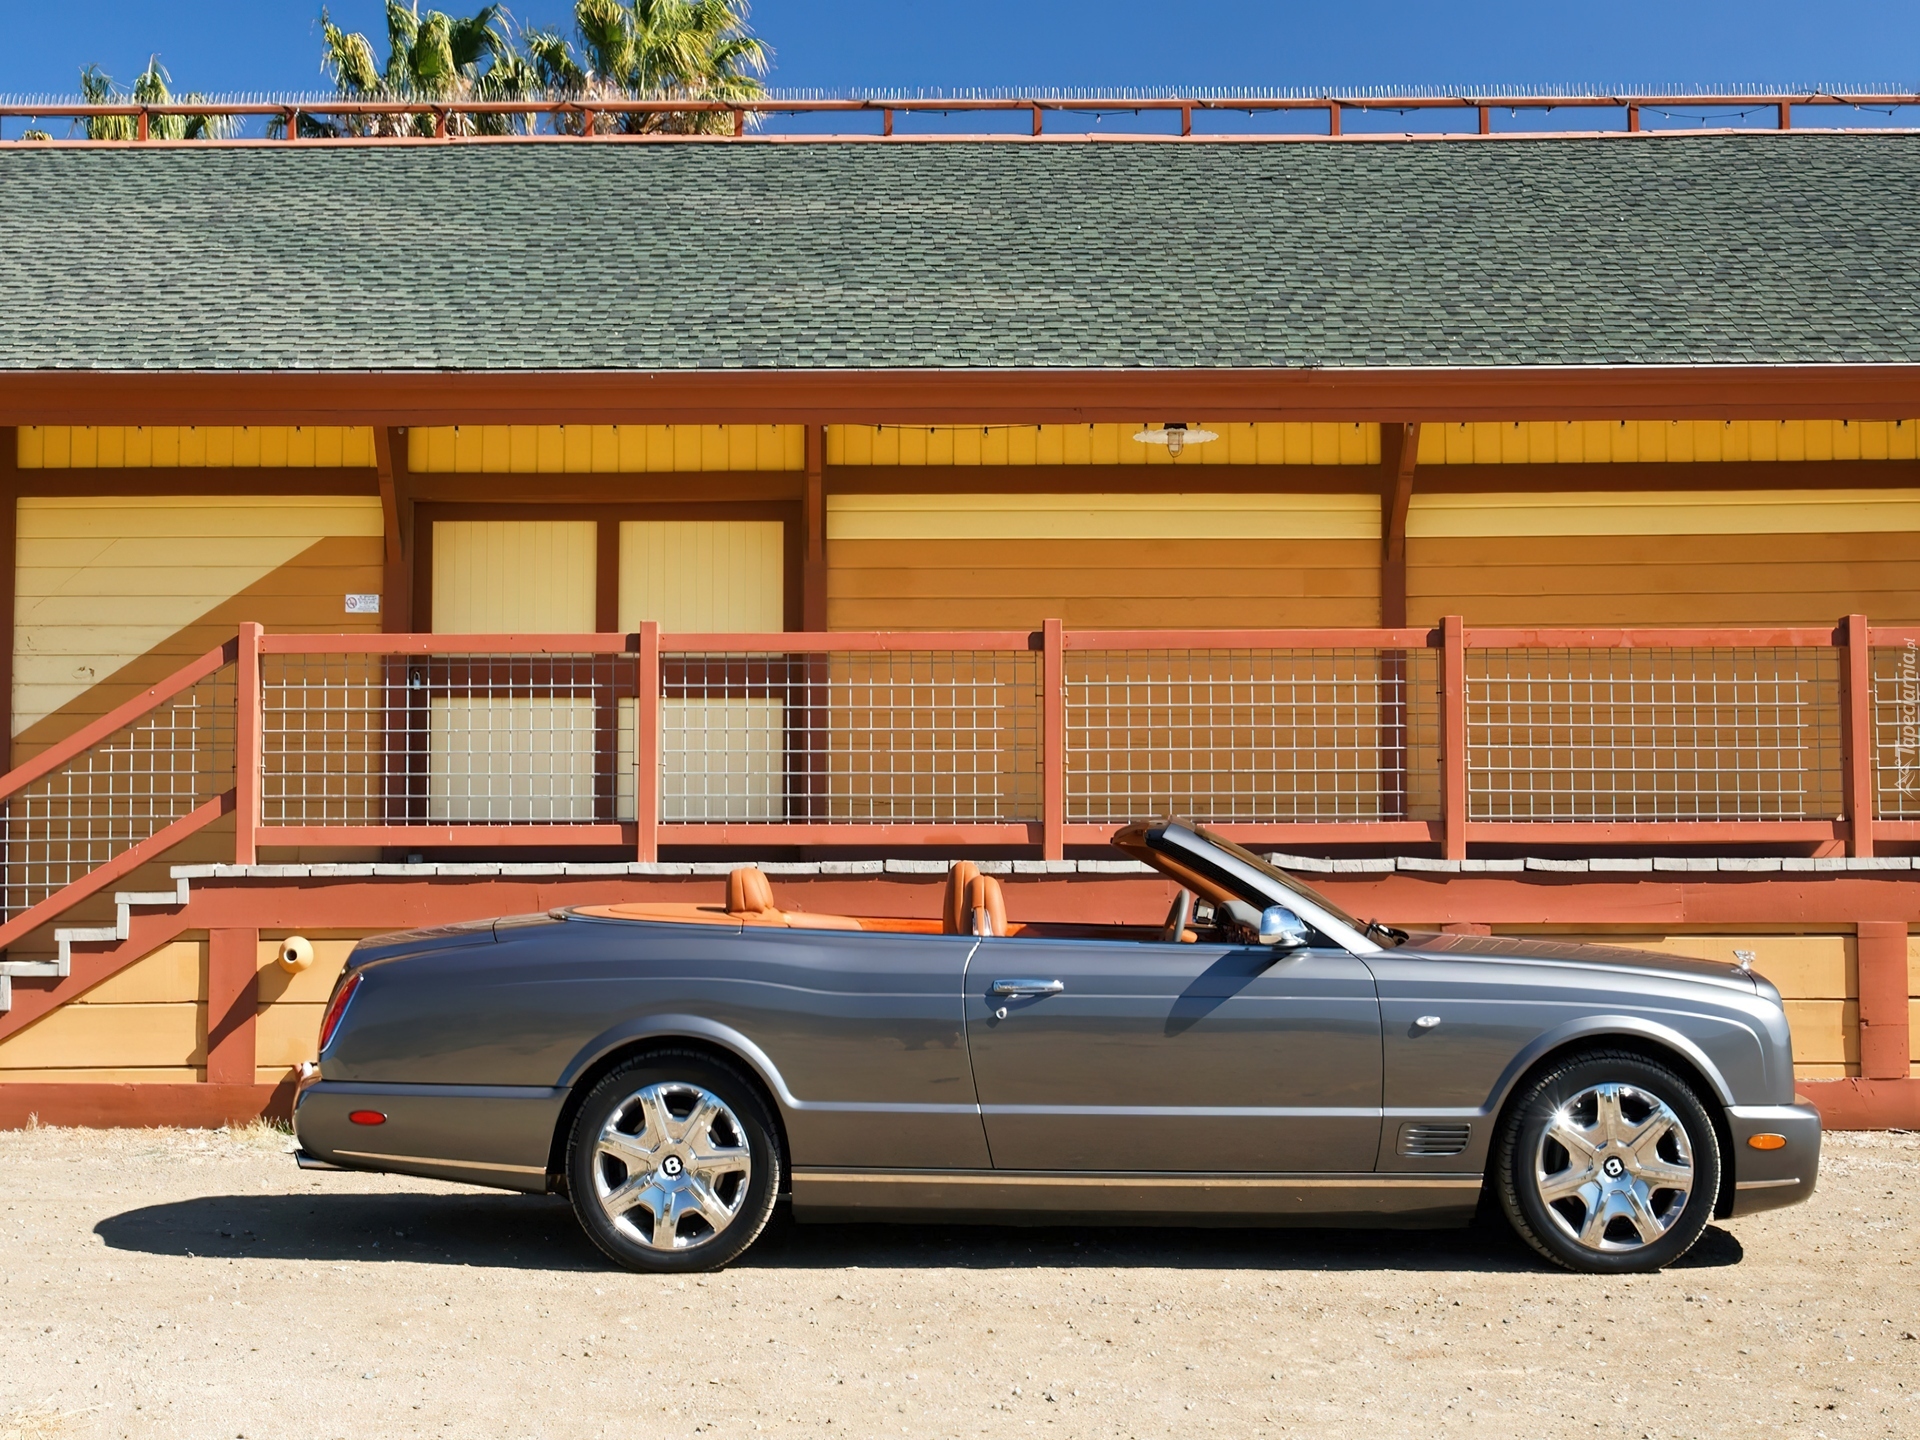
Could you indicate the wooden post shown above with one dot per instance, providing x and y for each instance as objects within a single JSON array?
[
  {"x": 1186, "y": 119},
  {"x": 142, "y": 126},
  {"x": 233, "y": 1001},
  {"x": 813, "y": 568},
  {"x": 1885, "y": 1038},
  {"x": 1633, "y": 118},
  {"x": 1786, "y": 114},
  {"x": 1399, "y": 452},
  {"x": 247, "y": 753},
  {"x": 9, "y": 561},
  {"x": 886, "y": 122},
  {"x": 1453, "y": 736},
  {"x": 1857, "y": 749},
  {"x": 293, "y": 125},
  {"x": 646, "y": 744},
  {"x": 1486, "y": 120},
  {"x": 1333, "y": 117},
  {"x": 396, "y": 507},
  {"x": 1036, "y": 119},
  {"x": 1053, "y": 740},
  {"x": 1399, "y": 449}
]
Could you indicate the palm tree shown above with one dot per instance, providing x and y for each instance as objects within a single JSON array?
[
  {"x": 655, "y": 49},
  {"x": 152, "y": 88},
  {"x": 429, "y": 57}
]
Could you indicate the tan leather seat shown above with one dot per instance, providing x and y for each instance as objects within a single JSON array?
[
  {"x": 748, "y": 892},
  {"x": 987, "y": 906},
  {"x": 956, "y": 917}
]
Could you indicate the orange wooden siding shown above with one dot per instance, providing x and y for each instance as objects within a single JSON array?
[
  {"x": 1663, "y": 579},
  {"x": 1182, "y": 561}
]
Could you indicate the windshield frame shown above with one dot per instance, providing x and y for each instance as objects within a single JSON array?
[{"x": 1249, "y": 876}]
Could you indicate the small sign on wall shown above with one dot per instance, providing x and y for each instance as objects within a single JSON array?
[{"x": 363, "y": 604}]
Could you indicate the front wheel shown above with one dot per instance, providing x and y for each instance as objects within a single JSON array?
[
  {"x": 1608, "y": 1163},
  {"x": 673, "y": 1164}
]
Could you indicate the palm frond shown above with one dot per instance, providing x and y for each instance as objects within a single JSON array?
[
  {"x": 484, "y": 35},
  {"x": 553, "y": 60},
  {"x": 432, "y": 69},
  {"x": 348, "y": 58},
  {"x": 97, "y": 88}
]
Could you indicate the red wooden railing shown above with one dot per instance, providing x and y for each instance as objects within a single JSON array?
[
  {"x": 605, "y": 117},
  {"x": 1798, "y": 738}
]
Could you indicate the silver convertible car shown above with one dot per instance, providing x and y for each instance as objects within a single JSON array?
[{"x": 1259, "y": 1058}]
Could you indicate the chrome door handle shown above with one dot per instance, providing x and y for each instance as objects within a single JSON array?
[{"x": 1027, "y": 987}]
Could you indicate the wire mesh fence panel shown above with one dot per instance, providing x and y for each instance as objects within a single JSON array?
[
  {"x": 118, "y": 792},
  {"x": 851, "y": 737},
  {"x": 1252, "y": 735},
  {"x": 1896, "y": 732},
  {"x": 1654, "y": 734},
  {"x": 372, "y": 739}
]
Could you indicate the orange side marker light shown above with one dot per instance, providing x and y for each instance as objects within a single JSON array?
[{"x": 1767, "y": 1142}]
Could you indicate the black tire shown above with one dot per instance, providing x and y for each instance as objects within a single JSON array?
[
  {"x": 672, "y": 1225},
  {"x": 1622, "y": 1219}
]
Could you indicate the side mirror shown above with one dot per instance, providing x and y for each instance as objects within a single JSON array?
[{"x": 1280, "y": 926}]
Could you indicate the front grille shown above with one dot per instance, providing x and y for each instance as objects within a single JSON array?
[{"x": 1434, "y": 1139}]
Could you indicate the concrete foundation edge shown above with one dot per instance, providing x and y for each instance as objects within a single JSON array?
[
  {"x": 102, "y": 1107},
  {"x": 1864, "y": 1104}
]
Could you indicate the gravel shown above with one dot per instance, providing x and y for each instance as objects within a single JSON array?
[{"x": 183, "y": 1283}]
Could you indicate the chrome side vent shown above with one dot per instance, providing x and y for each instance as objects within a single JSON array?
[{"x": 1434, "y": 1139}]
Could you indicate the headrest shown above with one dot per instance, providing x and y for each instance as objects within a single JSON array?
[
  {"x": 957, "y": 917},
  {"x": 748, "y": 892},
  {"x": 987, "y": 906}
]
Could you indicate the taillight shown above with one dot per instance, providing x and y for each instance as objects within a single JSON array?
[{"x": 338, "y": 1007}]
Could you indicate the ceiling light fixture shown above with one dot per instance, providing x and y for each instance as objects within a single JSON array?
[{"x": 1176, "y": 436}]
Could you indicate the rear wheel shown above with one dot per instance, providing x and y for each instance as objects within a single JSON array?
[
  {"x": 1608, "y": 1163},
  {"x": 673, "y": 1164}
]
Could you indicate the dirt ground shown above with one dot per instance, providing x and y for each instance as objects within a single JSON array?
[{"x": 179, "y": 1283}]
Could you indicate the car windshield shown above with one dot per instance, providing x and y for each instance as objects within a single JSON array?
[{"x": 1275, "y": 873}]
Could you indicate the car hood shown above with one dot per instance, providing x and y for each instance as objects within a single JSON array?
[{"x": 1519, "y": 949}]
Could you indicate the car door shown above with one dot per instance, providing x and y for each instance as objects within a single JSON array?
[{"x": 1144, "y": 1056}]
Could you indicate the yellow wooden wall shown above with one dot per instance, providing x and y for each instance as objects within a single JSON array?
[
  {"x": 287, "y": 1027},
  {"x": 139, "y": 447},
  {"x": 1913, "y": 994},
  {"x": 922, "y": 562},
  {"x": 113, "y": 593},
  {"x": 603, "y": 449},
  {"x": 534, "y": 449},
  {"x": 1701, "y": 557},
  {"x": 1239, "y": 443},
  {"x": 146, "y": 1024},
  {"x": 1521, "y": 442}
]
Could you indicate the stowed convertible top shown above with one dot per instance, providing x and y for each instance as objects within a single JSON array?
[{"x": 1214, "y": 869}]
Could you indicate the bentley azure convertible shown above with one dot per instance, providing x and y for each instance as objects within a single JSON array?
[{"x": 1259, "y": 1058}]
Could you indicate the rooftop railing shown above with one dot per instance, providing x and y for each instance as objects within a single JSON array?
[{"x": 611, "y": 117}]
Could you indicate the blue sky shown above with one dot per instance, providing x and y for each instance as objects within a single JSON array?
[{"x": 227, "y": 45}]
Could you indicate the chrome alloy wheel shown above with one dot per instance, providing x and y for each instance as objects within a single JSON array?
[
  {"x": 671, "y": 1166},
  {"x": 1614, "y": 1168}
]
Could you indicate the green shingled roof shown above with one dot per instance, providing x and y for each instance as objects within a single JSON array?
[{"x": 1793, "y": 248}]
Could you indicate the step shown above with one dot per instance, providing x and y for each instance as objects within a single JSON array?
[
  {"x": 28, "y": 968},
  {"x": 125, "y": 902}
]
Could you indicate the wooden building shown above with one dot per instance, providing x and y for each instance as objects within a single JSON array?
[{"x": 410, "y": 532}]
